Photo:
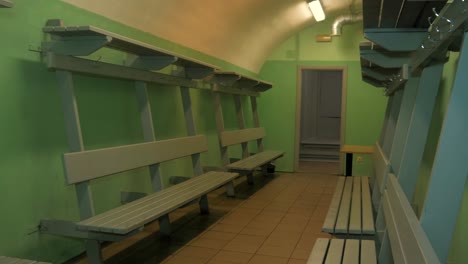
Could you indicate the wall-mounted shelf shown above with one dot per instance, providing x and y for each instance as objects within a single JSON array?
[
  {"x": 5, "y": 4},
  {"x": 231, "y": 82},
  {"x": 85, "y": 40}
]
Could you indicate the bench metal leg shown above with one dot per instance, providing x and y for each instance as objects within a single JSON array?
[
  {"x": 165, "y": 225},
  {"x": 265, "y": 170},
  {"x": 250, "y": 179},
  {"x": 230, "y": 189},
  {"x": 93, "y": 251},
  {"x": 204, "y": 209}
]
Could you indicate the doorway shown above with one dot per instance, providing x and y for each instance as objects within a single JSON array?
[{"x": 320, "y": 118}]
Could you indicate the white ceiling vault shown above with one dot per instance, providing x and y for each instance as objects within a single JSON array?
[{"x": 242, "y": 32}]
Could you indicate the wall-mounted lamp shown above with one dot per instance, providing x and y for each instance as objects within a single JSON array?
[{"x": 317, "y": 10}]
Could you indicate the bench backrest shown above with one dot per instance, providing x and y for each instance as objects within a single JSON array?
[
  {"x": 408, "y": 242},
  {"x": 240, "y": 136},
  {"x": 88, "y": 165}
]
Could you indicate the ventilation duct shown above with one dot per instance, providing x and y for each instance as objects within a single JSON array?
[{"x": 338, "y": 26}]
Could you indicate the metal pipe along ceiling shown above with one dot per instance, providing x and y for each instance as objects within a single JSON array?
[{"x": 343, "y": 20}]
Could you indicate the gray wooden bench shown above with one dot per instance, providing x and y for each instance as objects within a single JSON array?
[
  {"x": 248, "y": 163},
  {"x": 351, "y": 210},
  {"x": 404, "y": 240},
  {"x": 8, "y": 260},
  {"x": 123, "y": 221}
]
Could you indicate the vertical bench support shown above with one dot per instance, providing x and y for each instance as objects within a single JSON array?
[
  {"x": 241, "y": 123},
  {"x": 450, "y": 168},
  {"x": 75, "y": 144},
  {"x": 191, "y": 131},
  {"x": 419, "y": 128},
  {"x": 404, "y": 117},
  {"x": 391, "y": 122},
  {"x": 148, "y": 130},
  {"x": 220, "y": 126}
]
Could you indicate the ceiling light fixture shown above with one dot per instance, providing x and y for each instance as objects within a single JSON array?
[{"x": 317, "y": 10}]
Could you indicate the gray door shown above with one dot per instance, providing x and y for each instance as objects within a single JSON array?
[{"x": 320, "y": 114}]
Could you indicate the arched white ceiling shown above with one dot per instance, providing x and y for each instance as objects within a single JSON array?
[{"x": 242, "y": 32}]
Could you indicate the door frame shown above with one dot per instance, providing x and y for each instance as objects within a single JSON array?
[{"x": 344, "y": 90}]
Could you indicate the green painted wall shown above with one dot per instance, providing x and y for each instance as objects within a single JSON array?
[
  {"x": 32, "y": 184},
  {"x": 365, "y": 104}
]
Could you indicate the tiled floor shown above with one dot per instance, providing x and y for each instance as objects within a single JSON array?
[{"x": 275, "y": 221}]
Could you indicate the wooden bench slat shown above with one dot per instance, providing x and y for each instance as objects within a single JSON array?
[
  {"x": 234, "y": 137},
  {"x": 318, "y": 253},
  {"x": 332, "y": 214},
  {"x": 145, "y": 201},
  {"x": 351, "y": 252},
  {"x": 10, "y": 260},
  {"x": 368, "y": 254},
  {"x": 368, "y": 226},
  {"x": 355, "y": 224},
  {"x": 413, "y": 242},
  {"x": 88, "y": 165},
  {"x": 343, "y": 214},
  {"x": 128, "y": 217},
  {"x": 255, "y": 161},
  {"x": 393, "y": 236},
  {"x": 335, "y": 251}
]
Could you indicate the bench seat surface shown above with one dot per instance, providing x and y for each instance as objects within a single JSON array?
[
  {"x": 348, "y": 251},
  {"x": 252, "y": 162},
  {"x": 8, "y": 260},
  {"x": 350, "y": 211},
  {"x": 128, "y": 217}
]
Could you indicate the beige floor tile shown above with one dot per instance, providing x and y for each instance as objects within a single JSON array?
[
  {"x": 228, "y": 228},
  {"x": 297, "y": 261},
  {"x": 256, "y": 231},
  {"x": 209, "y": 243},
  {"x": 283, "y": 251},
  {"x": 245, "y": 243},
  {"x": 184, "y": 260},
  {"x": 197, "y": 252},
  {"x": 218, "y": 235},
  {"x": 301, "y": 253},
  {"x": 260, "y": 259},
  {"x": 230, "y": 257}
]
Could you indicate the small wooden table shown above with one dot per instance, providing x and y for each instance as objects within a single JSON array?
[{"x": 349, "y": 150}]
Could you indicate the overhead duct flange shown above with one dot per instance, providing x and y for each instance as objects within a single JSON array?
[{"x": 338, "y": 26}]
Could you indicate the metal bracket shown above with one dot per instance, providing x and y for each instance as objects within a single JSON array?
[
  {"x": 399, "y": 80},
  {"x": 6, "y": 4},
  {"x": 149, "y": 62},
  {"x": 406, "y": 39},
  {"x": 68, "y": 229},
  {"x": 76, "y": 46},
  {"x": 198, "y": 72}
]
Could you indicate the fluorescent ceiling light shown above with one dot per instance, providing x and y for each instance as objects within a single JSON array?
[{"x": 317, "y": 10}]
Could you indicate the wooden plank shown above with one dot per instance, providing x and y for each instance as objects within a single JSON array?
[
  {"x": 318, "y": 253},
  {"x": 351, "y": 252},
  {"x": 87, "y": 165},
  {"x": 357, "y": 149},
  {"x": 335, "y": 252},
  {"x": 355, "y": 220},
  {"x": 146, "y": 119},
  {"x": 332, "y": 214},
  {"x": 401, "y": 130},
  {"x": 255, "y": 161},
  {"x": 368, "y": 227},
  {"x": 343, "y": 214},
  {"x": 415, "y": 245},
  {"x": 392, "y": 231},
  {"x": 233, "y": 137},
  {"x": 131, "y": 216},
  {"x": 10, "y": 260},
  {"x": 368, "y": 253},
  {"x": 418, "y": 129},
  {"x": 450, "y": 168}
]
